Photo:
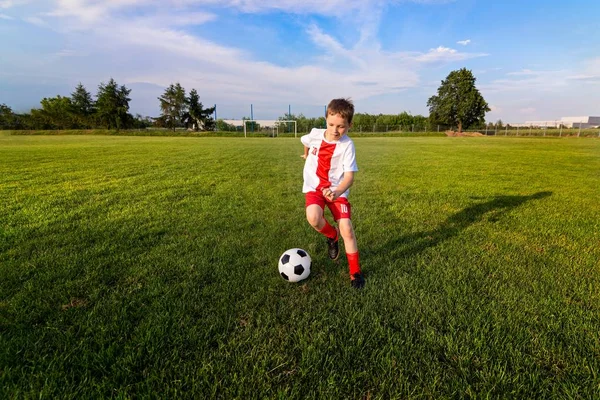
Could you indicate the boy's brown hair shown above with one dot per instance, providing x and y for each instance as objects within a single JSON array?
[{"x": 343, "y": 107}]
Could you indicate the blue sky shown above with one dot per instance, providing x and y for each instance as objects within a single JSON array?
[{"x": 533, "y": 59}]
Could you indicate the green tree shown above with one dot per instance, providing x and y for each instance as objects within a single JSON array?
[
  {"x": 420, "y": 123},
  {"x": 7, "y": 117},
  {"x": 197, "y": 116},
  {"x": 288, "y": 127},
  {"x": 141, "y": 122},
  {"x": 56, "y": 113},
  {"x": 458, "y": 102},
  {"x": 303, "y": 123},
  {"x": 112, "y": 105},
  {"x": 386, "y": 121},
  {"x": 363, "y": 121},
  {"x": 406, "y": 121},
  {"x": 173, "y": 105},
  {"x": 83, "y": 105},
  {"x": 223, "y": 126}
]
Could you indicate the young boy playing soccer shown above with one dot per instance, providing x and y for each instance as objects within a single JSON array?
[{"x": 328, "y": 174}]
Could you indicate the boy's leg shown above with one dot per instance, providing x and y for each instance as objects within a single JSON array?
[
  {"x": 342, "y": 211},
  {"x": 347, "y": 232},
  {"x": 315, "y": 206},
  {"x": 314, "y": 215}
]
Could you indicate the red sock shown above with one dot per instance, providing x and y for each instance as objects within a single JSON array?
[
  {"x": 329, "y": 231},
  {"x": 353, "y": 263}
]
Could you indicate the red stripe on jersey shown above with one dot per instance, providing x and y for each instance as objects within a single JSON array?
[{"x": 325, "y": 154}]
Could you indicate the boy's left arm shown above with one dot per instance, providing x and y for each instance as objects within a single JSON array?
[
  {"x": 349, "y": 166},
  {"x": 342, "y": 187}
]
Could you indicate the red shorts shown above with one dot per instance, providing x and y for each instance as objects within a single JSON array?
[{"x": 340, "y": 207}]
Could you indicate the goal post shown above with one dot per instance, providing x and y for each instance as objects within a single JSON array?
[
  {"x": 280, "y": 123},
  {"x": 273, "y": 126},
  {"x": 252, "y": 127}
]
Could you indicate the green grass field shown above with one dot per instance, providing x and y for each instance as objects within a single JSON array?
[{"x": 147, "y": 267}]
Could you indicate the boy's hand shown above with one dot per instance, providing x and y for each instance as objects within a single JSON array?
[
  {"x": 330, "y": 194},
  {"x": 303, "y": 156}
]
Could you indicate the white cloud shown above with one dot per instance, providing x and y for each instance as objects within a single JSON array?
[
  {"x": 528, "y": 80},
  {"x": 175, "y": 20},
  {"x": 594, "y": 79},
  {"x": 6, "y": 4},
  {"x": 445, "y": 54},
  {"x": 152, "y": 46},
  {"x": 4, "y": 16},
  {"x": 545, "y": 95},
  {"x": 332, "y": 46},
  {"x": 527, "y": 110},
  {"x": 92, "y": 10},
  {"x": 37, "y": 21},
  {"x": 526, "y": 72},
  {"x": 590, "y": 73},
  {"x": 486, "y": 71},
  {"x": 464, "y": 42},
  {"x": 66, "y": 53},
  {"x": 328, "y": 7},
  {"x": 235, "y": 73},
  {"x": 365, "y": 11}
]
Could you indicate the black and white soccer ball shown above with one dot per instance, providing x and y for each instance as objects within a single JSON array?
[{"x": 294, "y": 265}]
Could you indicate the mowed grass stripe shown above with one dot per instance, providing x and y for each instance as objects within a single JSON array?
[{"x": 148, "y": 267}]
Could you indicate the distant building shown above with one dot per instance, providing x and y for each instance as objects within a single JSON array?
[
  {"x": 567, "y": 122},
  {"x": 540, "y": 124},
  {"x": 261, "y": 122},
  {"x": 580, "y": 122}
]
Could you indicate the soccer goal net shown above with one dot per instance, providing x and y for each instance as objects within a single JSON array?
[{"x": 273, "y": 127}]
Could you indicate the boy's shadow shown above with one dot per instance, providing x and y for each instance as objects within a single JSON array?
[{"x": 411, "y": 244}]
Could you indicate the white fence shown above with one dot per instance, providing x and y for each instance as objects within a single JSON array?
[{"x": 490, "y": 130}]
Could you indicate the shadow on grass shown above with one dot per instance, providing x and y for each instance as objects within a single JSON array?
[{"x": 411, "y": 244}]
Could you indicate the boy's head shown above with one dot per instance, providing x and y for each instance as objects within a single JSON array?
[
  {"x": 339, "y": 118},
  {"x": 343, "y": 107}
]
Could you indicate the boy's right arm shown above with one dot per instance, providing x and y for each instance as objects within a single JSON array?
[
  {"x": 305, "y": 141},
  {"x": 305, "y": 153}
]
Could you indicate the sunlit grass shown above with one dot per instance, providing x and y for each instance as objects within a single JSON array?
[{"x": 147, "y": 267}]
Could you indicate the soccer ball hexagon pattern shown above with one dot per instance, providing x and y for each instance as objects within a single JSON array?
[{"x": 294, "y": 265}]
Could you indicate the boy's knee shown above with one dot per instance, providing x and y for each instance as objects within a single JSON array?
[
  {"x": 313, "y": 219},
  {"x": 346, "y": 231}
]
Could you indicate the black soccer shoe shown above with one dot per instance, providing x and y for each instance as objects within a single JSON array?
[
  {"x": 357, "y": 280},
  {"x": 333, "y": 247}
]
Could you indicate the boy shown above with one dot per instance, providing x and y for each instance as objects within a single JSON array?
[{"x": 328, "y": 174}]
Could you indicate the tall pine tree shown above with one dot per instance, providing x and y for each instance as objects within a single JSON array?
[
  {"x": 112, "y": 105},
  {"x": 173, "y": 106},
  {"x": 197, "y": 116},
  {"x": 83, "y": 105}
]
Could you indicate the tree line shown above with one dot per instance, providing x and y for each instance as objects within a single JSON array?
[
  {"x": 179, "y": 110},
  {"x": 110, "y": 110},
  {"x": 457, "y": 104},
  {"x": 363, "y": 121}
]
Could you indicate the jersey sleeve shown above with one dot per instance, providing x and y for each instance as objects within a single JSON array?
[
  {"x": 307, "y": 139},
  {"x": 349, "y": 160}
]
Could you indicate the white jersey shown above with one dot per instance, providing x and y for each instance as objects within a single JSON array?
[{"x": 327, "y": 161}]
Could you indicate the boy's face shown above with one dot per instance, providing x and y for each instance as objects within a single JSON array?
[{"x": 337, "y": 126}]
